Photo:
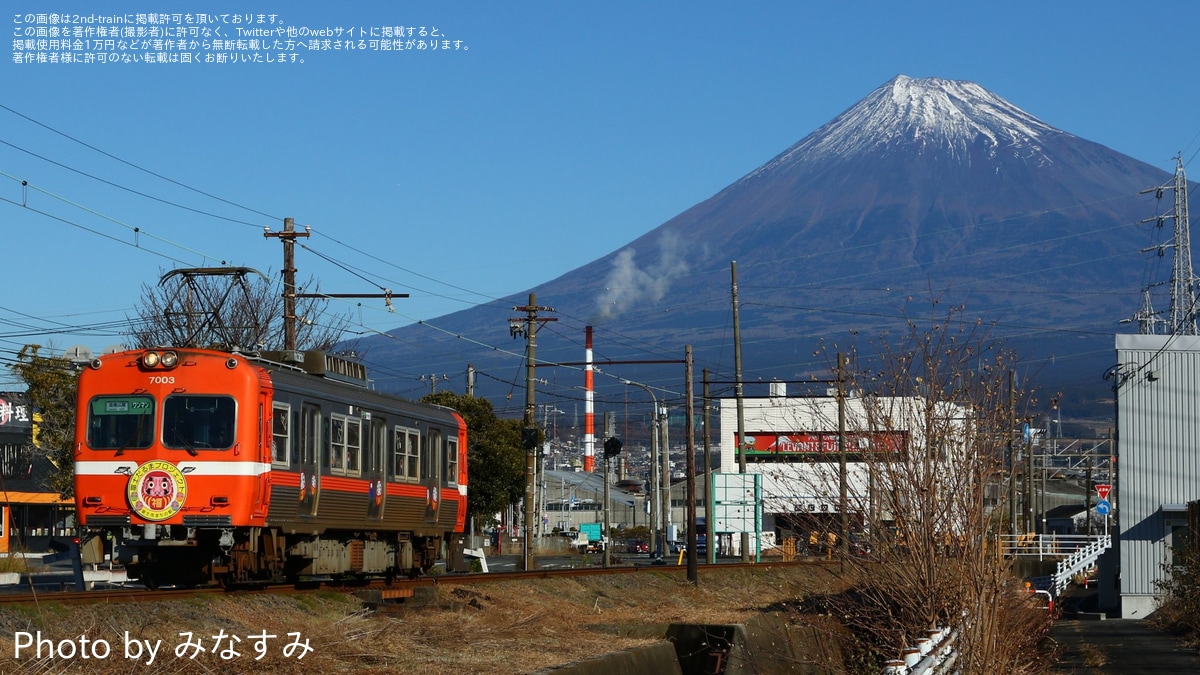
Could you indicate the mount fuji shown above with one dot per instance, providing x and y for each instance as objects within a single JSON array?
[{"x": 927, "y": 190}]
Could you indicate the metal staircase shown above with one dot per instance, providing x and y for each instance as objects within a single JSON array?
[{"x": 1080, "y": 560}]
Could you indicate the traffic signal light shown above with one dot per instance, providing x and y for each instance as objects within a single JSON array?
[
  {"x": 529, "y": 437},
  {"x": 612, "y": 446}
]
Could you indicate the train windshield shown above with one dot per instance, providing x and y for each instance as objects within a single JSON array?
[
  {"x": 198, "y": 422},
  {"x": 121, "y": 423}
]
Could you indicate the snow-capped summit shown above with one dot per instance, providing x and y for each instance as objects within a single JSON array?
[
  {"x": 957, "y": 119},
  {"x": 926, "y": 188}
]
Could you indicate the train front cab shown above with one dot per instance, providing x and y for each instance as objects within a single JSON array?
[{"x": 170, "y": 458}]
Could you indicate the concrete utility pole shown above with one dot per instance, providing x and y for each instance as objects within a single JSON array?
[
  {"x": 843, "y": 504},
  {"x": 1012, "y": 455},
  {"x": 690, "y": 429},
  {"x": 740, "y": 440},
  {"x": 608, "y": 427},
  {"x": 664, "y": 472},
  {"x": 709, "y": 516},
  {"x": 528, "y": 326},
  {"x": 433, "y": 380},
  {"x": 656, "y": 516}
]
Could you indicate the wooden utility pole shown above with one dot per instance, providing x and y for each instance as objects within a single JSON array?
[
  {"x": 528, "y": 326},
  {"x": 288, "y": 236}
]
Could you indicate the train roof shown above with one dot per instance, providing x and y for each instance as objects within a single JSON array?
[{"x": 316, "y": 362}]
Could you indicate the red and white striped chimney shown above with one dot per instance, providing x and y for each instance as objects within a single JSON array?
[{"x": 589, "y": 414}]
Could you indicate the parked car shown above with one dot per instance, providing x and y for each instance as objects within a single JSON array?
[{"x": 637, "y": 546}]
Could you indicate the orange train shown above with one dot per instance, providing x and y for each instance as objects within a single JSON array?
[{"x": 196, "y": 466}]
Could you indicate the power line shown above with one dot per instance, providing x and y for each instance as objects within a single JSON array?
[{"x": 136, "y": 166}]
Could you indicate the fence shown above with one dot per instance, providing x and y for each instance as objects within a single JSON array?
[{"x": 1045, "y": 546}]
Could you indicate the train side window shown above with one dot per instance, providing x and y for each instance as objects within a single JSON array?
[
  {"x": 413, "y": 459},
  {"x": 337, "y": 444},
  {"x": 452, "y": 460},
  {"x": 199, "y": 422},
  {"x": 120, "y": 423},
  {"x": 406, "y": 458},
  {"x": 353, "y": 448},
  {"x": 281, "y": 434},
  {"x": 345, "y": 452}
]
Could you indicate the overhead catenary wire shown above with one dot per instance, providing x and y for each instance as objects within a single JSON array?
[{"x": 137, "y": 166}]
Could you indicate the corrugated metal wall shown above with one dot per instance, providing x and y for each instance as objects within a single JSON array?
[{"x": 1158, "y": 426}]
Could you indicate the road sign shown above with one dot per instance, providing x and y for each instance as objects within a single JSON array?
[
  {"x": 1103, "y": 489},
  {"x": 1103, "y": 507}
]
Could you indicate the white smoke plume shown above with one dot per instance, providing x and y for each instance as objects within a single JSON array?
[{"x": 627, "y": 285}]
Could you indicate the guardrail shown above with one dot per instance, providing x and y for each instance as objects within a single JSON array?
[{"x": 933, "y": 654}]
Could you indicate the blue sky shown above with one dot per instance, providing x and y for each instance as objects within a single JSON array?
[{"x": 550, "y": 134}]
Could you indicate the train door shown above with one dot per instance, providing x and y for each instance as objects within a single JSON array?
[
  {"x": 310, "y": 450},
  {"x": 431, "y": 470},
  {"x": 375, "y": 467},
  {"x": 262, "y": 453}
]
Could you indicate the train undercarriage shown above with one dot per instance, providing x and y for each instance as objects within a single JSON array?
[{"x": 164, "y": 555}]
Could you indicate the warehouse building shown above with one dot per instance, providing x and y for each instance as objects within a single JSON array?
[{"x": 1157, "y": 385}]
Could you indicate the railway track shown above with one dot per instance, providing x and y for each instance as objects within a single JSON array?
[{"x": 395, "y": 588}]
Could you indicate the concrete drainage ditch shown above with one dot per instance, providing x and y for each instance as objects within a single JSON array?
[{"x": 766, "y": 645}]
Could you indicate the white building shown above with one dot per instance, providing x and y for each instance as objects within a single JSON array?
[{"x": 794, "y": 444}]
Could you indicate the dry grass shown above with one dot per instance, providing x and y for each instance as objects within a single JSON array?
[
  {"x": 21, "y": 565},
  {"x": 496, "y": 628}
]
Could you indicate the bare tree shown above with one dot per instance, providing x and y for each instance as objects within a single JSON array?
[
  {"x": 920, "y": 459},
  {"x": 229, "y": 308}
]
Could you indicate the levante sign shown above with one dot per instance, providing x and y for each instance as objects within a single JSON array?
[{"x": 823, "y": 443}]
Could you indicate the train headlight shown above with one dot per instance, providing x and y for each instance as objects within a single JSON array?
[{"x": 163, "y": 359}]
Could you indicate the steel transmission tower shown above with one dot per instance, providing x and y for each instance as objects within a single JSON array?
[{"x": 1183, "y": 279}]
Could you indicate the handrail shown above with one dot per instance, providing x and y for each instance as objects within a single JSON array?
[
  {"x": 1077, "y": 562},
  {"x": 1045, "y": 545},
  {"x": 932, "y": 655}
]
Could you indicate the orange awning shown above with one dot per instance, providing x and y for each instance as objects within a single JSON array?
[{"x": 10, "y": 497}]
